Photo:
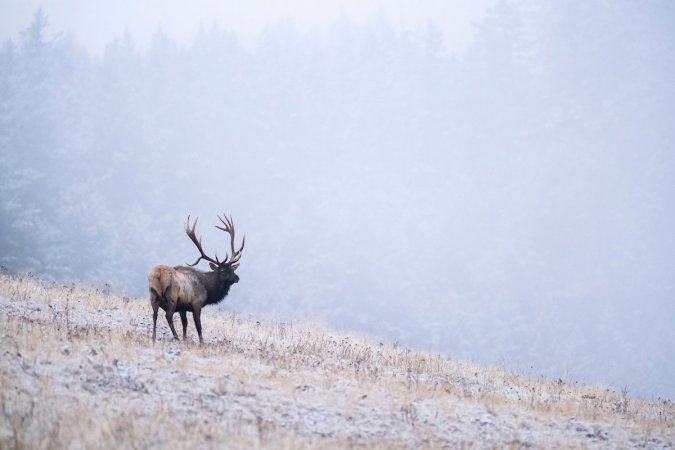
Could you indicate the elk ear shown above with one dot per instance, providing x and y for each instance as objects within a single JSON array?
[
  {"x": 234, "y": 266},
  {"x": 213, "y": 266}
]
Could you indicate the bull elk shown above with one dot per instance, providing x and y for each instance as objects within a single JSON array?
[{"x": 183, "y": 288}]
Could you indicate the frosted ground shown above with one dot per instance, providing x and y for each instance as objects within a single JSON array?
[{"x": 79, "y": 369}]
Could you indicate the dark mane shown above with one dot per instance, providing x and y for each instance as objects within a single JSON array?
[
  {"x": 218, "y": 295},
  {"x": 216, "y": 288}
]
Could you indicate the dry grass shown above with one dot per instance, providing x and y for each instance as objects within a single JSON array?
[{"x": 79, "y": 370}]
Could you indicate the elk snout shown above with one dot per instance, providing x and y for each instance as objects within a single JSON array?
[{"x": 236, "y": 278}]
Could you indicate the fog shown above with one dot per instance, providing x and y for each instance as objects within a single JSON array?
[{"x": 509, "y": 200}]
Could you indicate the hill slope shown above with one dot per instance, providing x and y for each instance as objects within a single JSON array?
[{"x": 79, "y": 369}]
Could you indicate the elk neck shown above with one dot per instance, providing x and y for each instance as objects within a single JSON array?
[{"x": 216, "y": 287}]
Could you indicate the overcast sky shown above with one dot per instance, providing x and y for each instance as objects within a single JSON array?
[{"x": 96, "y": 22}]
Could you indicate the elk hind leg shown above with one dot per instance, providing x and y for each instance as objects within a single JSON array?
[
  {"x": 171, "y": 302},
  {"x": 154, "y": 302},
  {"x": 184, "y": 321}
]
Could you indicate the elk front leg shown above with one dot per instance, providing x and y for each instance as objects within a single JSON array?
[
  {"x": 183, "y": 320},
  {"x": 196, "y": 315}
]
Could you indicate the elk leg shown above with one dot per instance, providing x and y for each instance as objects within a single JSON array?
[
  {"x": 171, "y": 298},
  {"x": 183, "y": 320},
  {"x": 169, "y": 318},
  {"x": 196, "y": 315},
  {"x": 154, "y": 302}
]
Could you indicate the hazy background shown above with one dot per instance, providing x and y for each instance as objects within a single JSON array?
[
  {"x": 94, "y": 22},
  {"x": 502, "y": 191}
]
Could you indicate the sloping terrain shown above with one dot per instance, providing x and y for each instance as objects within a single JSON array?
[{"x": 79, "y": 370}]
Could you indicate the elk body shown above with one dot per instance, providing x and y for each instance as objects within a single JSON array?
[{"x": 184, "y": 289}]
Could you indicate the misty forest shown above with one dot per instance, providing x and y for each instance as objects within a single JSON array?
[{"x": 510, "y": 205}]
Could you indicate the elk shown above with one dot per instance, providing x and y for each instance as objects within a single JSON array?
[{"x": 184, "y": 288}]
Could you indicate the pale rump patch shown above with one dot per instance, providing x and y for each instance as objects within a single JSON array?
[{"x": 160, "y": 278}]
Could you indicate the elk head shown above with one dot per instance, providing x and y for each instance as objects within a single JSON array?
[{"x": 223, "y": 269}]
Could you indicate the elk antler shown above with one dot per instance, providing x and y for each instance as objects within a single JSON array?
[
  {"x": 191, "y": 234},
  {"x": 228, "y": 227}
]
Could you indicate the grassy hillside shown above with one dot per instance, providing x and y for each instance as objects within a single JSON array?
[{"x": 79, "y": 370}]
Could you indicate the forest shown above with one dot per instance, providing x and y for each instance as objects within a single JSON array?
[{"x": 511, "y": 205}]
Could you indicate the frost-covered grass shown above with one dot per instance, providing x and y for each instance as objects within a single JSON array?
[{"x": 79, "y": 370}]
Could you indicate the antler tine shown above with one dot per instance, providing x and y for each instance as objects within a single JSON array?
[
  {"x": 228, "y": 227},
  {"x": 236, "y": 255},
  {"x": 241, "y": 249},
  {"x": 198, "y": 242}
]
